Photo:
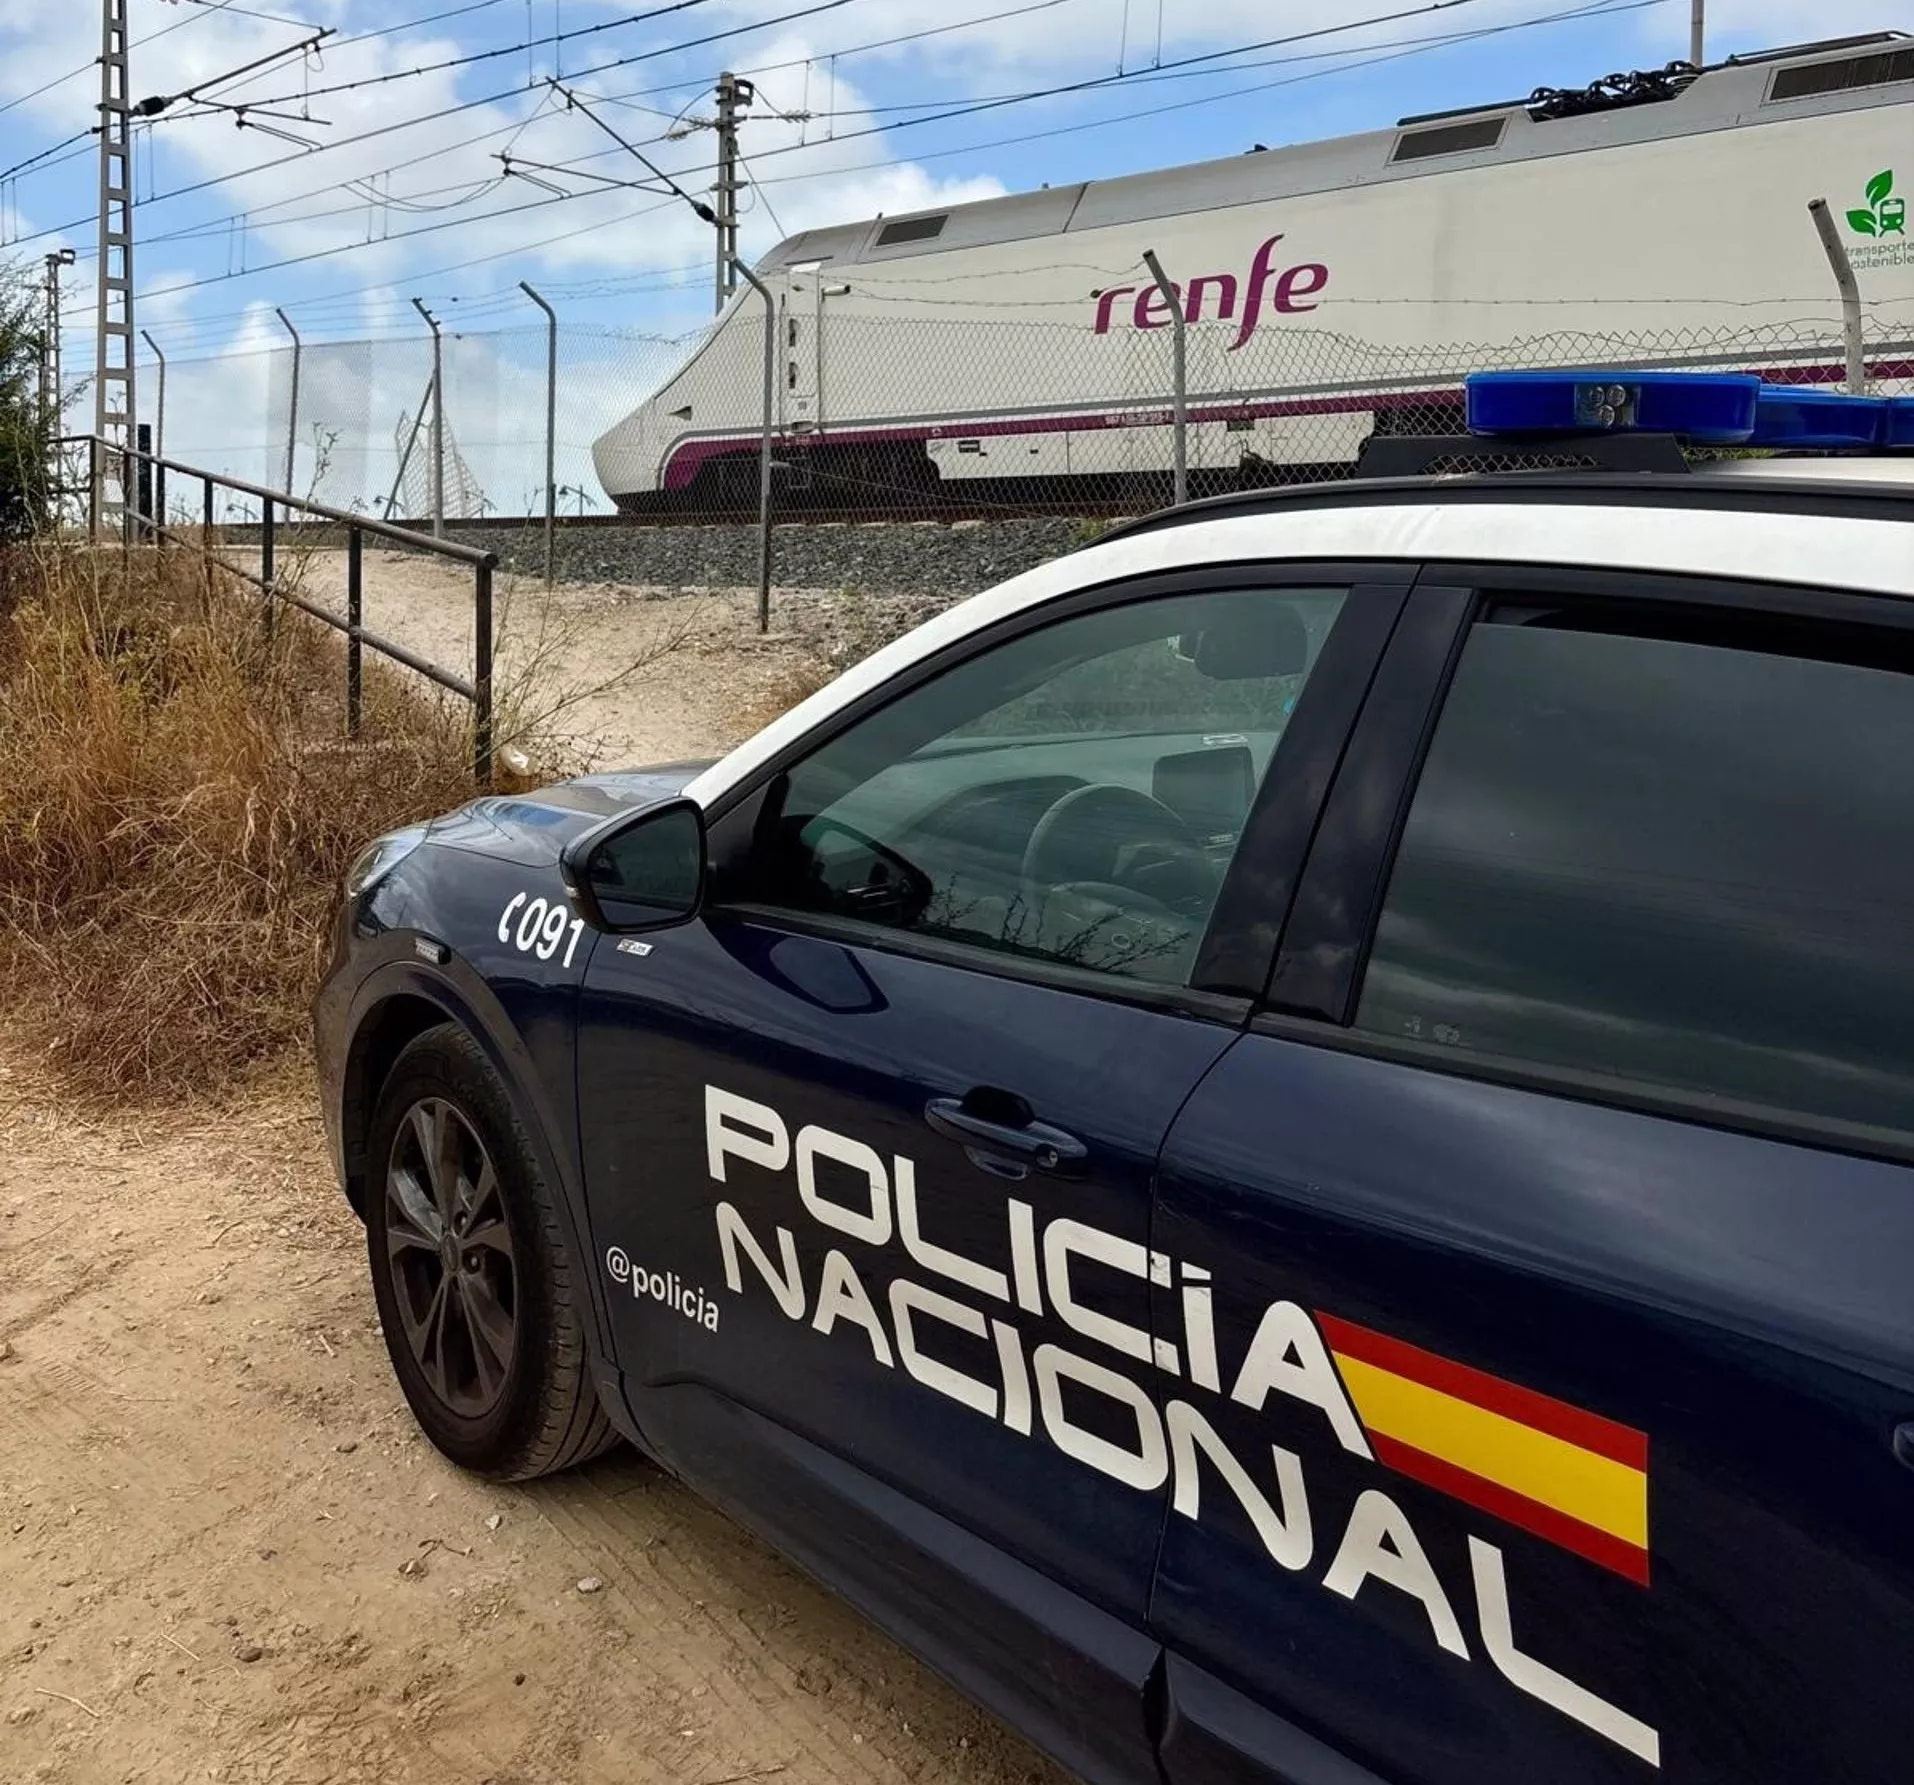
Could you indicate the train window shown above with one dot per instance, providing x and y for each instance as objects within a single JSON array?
[
  {"x": 912, "y": 229},
  {"x": 1842, "y": 75},
  {"x": 1449, "y": 139}
]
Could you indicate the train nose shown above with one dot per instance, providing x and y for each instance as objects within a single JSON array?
[{"x": 628, "y": 456}]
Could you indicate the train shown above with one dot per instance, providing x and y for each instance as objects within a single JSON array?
[{"x": 1019, "y": 349}]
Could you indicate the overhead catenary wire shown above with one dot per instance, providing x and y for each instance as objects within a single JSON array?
[
  {"x": 969, "y": 148},
  {"x": 271, "y": 18},
  {"x": 554, "y": 38},
  {"x": 883, "y": 43},
  {"x": 1597, "y": 6},
  {"x": 649, "y": 55},
  {"x": 73, "y": 74},
  {"x": 996, "y": 103},
  {"x": 22, "y": 166}
]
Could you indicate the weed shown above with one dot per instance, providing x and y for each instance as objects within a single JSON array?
[{"x": 178, "y": 808}]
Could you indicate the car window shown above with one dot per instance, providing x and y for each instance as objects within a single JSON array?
[
  {"x": 1664, "y": 859},
  {"x": 1074, "y": 794}
]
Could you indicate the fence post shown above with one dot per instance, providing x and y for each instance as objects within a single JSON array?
[
  {"x": 206, "y": 543},
  {"x": 143, "y": 482},
  {"x": 95, "y": 476},
  {"x": 292, "y": 408},
  {"x": 764, "y": 449},
  {"x": 159, "y": 428},
  {"x": 1179, "y": 381},
  {"x": 482, "y": 671},
  {"x": 267, "y": 618},
  {"x": 1850, "y": 293},
  {"x": 405, "y": 457},
  {"x": 438, "y": 420},
  {"x": 355, "y": 605},
  {"x": 551, "y": 427}
]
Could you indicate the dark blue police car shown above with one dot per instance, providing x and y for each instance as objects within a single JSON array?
[{"x": 1286, "y": 1144}]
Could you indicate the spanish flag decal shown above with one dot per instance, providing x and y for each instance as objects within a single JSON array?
[{"x": 1565, "y": 1475}]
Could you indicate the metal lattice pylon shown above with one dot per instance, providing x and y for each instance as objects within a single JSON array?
[{"x": 113, "y": 397}]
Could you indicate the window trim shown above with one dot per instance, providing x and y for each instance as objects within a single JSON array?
[
  {"x": 941, "y": 951},
  {"x": 1388, "y": 753},
  {"x": 1233, "y": 955}
]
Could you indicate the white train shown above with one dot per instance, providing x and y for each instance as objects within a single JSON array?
[{"x": 1018, "y": 346}]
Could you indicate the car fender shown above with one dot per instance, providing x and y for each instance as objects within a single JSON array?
[{"x": 544, "y": 1098}]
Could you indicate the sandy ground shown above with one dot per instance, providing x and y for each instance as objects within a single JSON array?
[
  {"x": 621, "y": 674},
  {"x": 227, "y": 1556}
]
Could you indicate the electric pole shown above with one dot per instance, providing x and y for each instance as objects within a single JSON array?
[
  {"x": 1697, "y": 30},
  {"x": 113, "y": 395},
  {"x": 50, "y": 374},
  {"x": 734, "y": 99}
]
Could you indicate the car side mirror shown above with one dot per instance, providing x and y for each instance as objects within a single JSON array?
[{"x": 639, "y": 871}]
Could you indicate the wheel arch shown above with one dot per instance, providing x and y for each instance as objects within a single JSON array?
[
  {"x": 402, "y": 1001},
  {"x": 384, "y": 1032}
]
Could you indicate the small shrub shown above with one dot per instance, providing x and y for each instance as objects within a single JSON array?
[{"x": 24, "y": 469}]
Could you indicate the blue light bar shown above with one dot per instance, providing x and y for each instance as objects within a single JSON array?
[
  {"x": 1788, "y": 415},
  {"x": 1709, "y": 408}
]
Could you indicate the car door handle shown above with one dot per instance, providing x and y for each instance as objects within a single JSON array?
[{"x": 996, "y": 1122}]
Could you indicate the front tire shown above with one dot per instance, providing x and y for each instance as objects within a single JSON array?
[{"x": 478, "y": 1295}]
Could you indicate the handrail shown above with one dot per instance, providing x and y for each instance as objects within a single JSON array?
[
  {"x": 477, "y": 690},
  {"x": 444, "y": 548}
]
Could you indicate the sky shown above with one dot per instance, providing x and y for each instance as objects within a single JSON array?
[{"x": 364, "y": 173}]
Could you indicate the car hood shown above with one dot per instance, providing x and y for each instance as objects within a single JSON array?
[{"x": 532, "y": 828}]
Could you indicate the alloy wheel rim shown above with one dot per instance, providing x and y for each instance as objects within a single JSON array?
[{"x": 450, "y": 1258}]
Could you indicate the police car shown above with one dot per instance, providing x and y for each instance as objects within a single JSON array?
[{"x": 1286, "y": 1144}]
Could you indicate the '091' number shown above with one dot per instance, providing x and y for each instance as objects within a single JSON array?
[{"x": 542, "y": 926}]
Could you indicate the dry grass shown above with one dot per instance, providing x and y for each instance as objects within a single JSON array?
[
  {"x": 781, "y": 693},
  {"x": 177, "y": 811}
]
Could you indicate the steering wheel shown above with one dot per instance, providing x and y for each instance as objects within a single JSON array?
[{"x": 1118, "y": 838}]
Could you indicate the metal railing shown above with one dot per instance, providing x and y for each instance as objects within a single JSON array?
[{"x": 143, "y": 478}]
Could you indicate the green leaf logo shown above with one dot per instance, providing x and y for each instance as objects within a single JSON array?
[
  {"x": 1862, "y": 221},
  {"x": 1880, "y": 186}
]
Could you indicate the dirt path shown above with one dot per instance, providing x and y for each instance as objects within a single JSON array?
[
  {"x": 227, "y": 1556},
  {"x": 624, "y": 674}
]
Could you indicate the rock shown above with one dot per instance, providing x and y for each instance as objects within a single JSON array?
[
  {"x": 518, "y": 1679},
  {"x": 932, "y": 560},
  {"x": 346, "y": 1446},
  {"x": 24, "y": 1713},
  {"x": 247, "y": 1652},
  {"x": 493, "y": 1523},
  {"x": 413, "y": 1568},
  {"x": 591, "y": 1584}
]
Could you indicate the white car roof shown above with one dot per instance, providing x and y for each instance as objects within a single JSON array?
[
  {"x": 1790, "y": 543},
  {"x": 1889, "y": 471}
]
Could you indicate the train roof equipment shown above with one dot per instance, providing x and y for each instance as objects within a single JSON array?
[{"x": 1641, "y": 106}]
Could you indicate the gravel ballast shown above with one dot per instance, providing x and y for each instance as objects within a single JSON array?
[{"x": 878, "y": 558}]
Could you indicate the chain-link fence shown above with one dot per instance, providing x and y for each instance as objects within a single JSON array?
[{"x": 943, "y": 414}]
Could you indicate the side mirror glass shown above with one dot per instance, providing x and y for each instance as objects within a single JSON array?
[{"x": 644, "y": 872}]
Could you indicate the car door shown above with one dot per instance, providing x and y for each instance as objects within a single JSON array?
[
  {"x": 1550, "y": 1233},
  {"x": 869, "y": 1147}
]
